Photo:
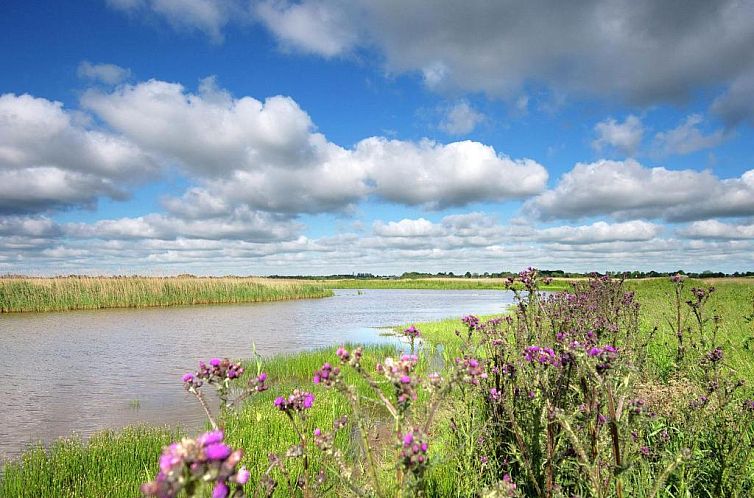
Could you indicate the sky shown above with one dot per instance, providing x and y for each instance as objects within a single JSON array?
[{"x": 259, "y": 137}]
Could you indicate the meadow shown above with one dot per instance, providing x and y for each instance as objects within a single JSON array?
[
  {"x": 430, "y": 284},
  {"x": 532, "y": 404},
  {"x": 78, "y": 293}
]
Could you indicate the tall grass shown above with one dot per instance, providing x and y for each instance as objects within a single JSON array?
[
  {"x": 430, "y": 283},
  {"x": 109, "y": 464},
  {"x": 76, "y": 293}
]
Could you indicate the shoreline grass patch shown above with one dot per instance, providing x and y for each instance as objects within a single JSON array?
[{"x": 83, "y": 293}]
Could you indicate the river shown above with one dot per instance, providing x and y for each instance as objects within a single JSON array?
[{"x": 79, "y": 372}]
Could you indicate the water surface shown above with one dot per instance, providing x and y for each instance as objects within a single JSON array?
[{"x": 84, "y": 371}]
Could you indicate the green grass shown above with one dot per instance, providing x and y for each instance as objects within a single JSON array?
[
  {"x": 108, "y": 464},
  {"x": 732, "y": 301},
  {"x": 76, "y": 293},
  {"x": 429, "y": 283}
]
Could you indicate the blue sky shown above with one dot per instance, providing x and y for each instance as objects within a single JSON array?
[{"x": 331, "y": 136}]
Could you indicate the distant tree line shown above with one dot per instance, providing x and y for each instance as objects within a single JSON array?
[{"x": 505, "y": 274}]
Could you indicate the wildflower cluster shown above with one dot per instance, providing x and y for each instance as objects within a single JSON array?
[
  {"x": 297, "y": 402},
  {"x": 258, "y": 383},
  {"x": 541, "y": 355},
  {"x": 219, "y": 370},
  {"x": 399, "y": 374},
  {"x": 471, "y": 321},
  {"x": 605, "y": 355},
  {"x": 414, "y": 449},
  {"x": 188, "y": 464},
  {"x": 327, "y": 375},
  {"x": 471, "y": 370},
  {"x": 353, "y": 359},
  {"x": 412, "y": 332}
]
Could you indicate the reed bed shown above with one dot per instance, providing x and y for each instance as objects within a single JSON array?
[{"x": 77, "y": 293}]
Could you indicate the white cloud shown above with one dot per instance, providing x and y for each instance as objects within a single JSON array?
[
  {"x": 624, "y": 137},
  {"x": 626, "y": 189},
  {"x": 601, "y": 232},
  {"x": 106, "y": 73},
  {"x": 714, "y": 229},
  {"x": 266, "y": 155},
  {"x": 406, "y": 228},
  {"x": 455, "y": 174},
  {"x": 460, "y": 242},
  {"x": 48, "y": 160},
  {"x": 314, "y": 26},
  {"x": 461, "y": 119},
  {"x": 28, "y": 227},
  {"x": 687, "y": 138},
  {"x": 243, "y": 224}
]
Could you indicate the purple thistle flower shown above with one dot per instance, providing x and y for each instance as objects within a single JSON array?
[
  {"x": 411, "y": 332},
  {"x": 211, "y": 437},
  {"x": 217, "y": 451},
  {"x": 242, "y": 477},
  {"x": 220, "y": 491},
  {"x": 408, "y": 438}
]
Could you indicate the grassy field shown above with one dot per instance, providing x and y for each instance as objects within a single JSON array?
[
  {"x": 429, "y": 283},
  {"x": 75, "y": 293},
  {"x": 115, "y": 464}
]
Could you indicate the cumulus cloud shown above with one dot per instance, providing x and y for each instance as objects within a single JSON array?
[
  {"x": 406, "y": 228},
  {"x": 437, "y": 175},
  {"x": 461, "y": 118},
  {"x": 241, "y": 225},
  {"x": 316, "y": 27},
  {"x": 601, "y": 232},
  {"x": 267, "y": 155},
  {"x": 626, "y": 189},
  {"x": 28, "y": 227},
  {"x": 48, "y": 160},
  {"x": 714, "y": 229},
  {"x": 687, "y": 138},
  {"x": 110, "y": 74},
  {"x": 624, "y": 137}
]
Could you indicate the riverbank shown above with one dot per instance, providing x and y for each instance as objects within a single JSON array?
[
  {"x": 84, "y": 293},
  {"x": 461, "y": 463}
]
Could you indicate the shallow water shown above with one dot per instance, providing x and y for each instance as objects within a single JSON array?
[{"x": 84, "y": 371}]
